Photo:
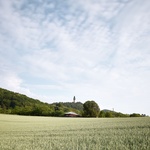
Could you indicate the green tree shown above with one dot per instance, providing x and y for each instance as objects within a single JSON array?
[
  {"x": 109, "y": 114},
  {"x": 135, "y": 115},
  {"x": 91, "y": 109},
  {"x": 102, "y": 114}
]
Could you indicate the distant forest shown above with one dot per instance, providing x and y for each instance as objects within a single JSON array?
[{"x": 15, "y": 103}]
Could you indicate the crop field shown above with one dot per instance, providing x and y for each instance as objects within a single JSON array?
[{"x": 48, "y": 133}]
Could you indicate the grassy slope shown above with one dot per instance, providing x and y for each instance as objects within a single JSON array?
[{"x": 50, "y": 133}]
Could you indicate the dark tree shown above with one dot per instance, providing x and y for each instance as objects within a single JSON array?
[
  {"x": 135, "y": 115},
  {"x": 102, "y": 114},
  {"x": 109, "y": 114},
  {"x": 91, "y": 109}
]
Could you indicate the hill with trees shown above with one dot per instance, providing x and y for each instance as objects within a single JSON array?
[
  {"x": 73, "y": 105},
  {"x": 16, "y": 103}
]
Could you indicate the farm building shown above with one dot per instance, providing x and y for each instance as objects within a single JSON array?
[{"x": 71, "y": 114}]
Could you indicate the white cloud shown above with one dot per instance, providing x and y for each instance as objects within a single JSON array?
[
  {"x": 95, "y": 50},
  {"x": 10, "y": 80}
]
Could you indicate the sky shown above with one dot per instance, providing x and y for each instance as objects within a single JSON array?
[{"x": 97, "y": 50}]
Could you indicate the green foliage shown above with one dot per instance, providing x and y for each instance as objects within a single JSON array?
[
  {"x": 15, "y": 103},
  {"x": 91, "y": 109},
  {"x": 135, "y": 115},
  {"x": 110, "y": 114},
  {"x": 77, "y": 105},
  {"x": 66, "y": 107}
]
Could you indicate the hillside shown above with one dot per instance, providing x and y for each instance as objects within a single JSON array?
[
  {"x": 77, "y": 105},
  {"x": 15, "y": 103},
  {"x": 109, "y": 114}
]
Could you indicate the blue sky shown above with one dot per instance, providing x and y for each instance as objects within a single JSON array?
[{"x": 94, "y": 50}]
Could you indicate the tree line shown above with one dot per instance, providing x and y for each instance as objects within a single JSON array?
[{"x": 15, "y": 103}]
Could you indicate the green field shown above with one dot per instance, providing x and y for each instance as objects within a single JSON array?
[{"x": 47, "y": 133}]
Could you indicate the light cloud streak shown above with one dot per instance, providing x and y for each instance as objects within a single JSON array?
[{"x": 53, "y": 50}]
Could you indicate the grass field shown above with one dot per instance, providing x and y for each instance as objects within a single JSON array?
[{"x": 47, "y": 133}]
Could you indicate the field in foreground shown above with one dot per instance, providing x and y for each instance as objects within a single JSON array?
[{"x": 47, "y": 133}]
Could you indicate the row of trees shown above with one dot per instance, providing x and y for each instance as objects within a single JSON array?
[
  {"x": 15, "y": 103},
  {"x": 91, "y": 109}
]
